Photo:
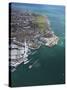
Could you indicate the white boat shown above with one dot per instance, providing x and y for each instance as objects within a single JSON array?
[{"x": 26, "y": 62}]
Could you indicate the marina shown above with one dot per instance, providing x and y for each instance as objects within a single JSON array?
[{"x": 18, "y": 54}]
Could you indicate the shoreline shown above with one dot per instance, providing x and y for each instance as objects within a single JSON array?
[{"x": 29, "y": 31}]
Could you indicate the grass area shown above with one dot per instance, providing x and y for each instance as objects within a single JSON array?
[{"x": 41, "y": 21}]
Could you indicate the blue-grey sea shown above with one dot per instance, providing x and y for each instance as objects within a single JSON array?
[{"x": 48, "y": 64}]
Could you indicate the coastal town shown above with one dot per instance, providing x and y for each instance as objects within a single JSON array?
[{"x": 29, "y": 31}]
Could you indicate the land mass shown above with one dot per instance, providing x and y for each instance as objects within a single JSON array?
[{"x": 32, "y": 29}]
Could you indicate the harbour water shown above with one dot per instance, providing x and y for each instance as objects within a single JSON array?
[{"x": 47, "y": 65}]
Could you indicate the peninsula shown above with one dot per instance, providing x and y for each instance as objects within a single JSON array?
[{"x": 29, "y": 31}]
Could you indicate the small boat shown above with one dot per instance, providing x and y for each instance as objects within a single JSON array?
[{"x": 26, "y": 62}]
